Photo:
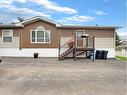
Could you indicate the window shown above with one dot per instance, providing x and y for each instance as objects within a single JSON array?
[
  {"x": 40, "y": 35},
  {"x": 79, "y": 33},
  {"x": 7, "y": 35},
  {"x": 47, "y": 36}
]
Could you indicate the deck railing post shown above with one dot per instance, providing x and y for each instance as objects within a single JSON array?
[
  {"x": 93, "y": 41},
  {"x": 93, "y": 46},
  {"x": 87, "y": 42},
  {"x": 74, "y": 52}
]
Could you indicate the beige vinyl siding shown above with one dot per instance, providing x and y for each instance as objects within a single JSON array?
[
  {"x": 104, "y": 43},
  {"x": 15, "y": 40},
  {"x": 65, "y": 39},
  {"x": 66, "y": 35},
  {"x": 13, "y": 44},
  {"x": 67, "y": 32},
  {"x": 100, "y": 33}
]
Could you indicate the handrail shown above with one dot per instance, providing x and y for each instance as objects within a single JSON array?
[
  {"x": 91, "y": 41},
  {"x": 67, "y": 42}
]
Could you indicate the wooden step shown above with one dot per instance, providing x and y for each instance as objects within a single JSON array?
[{"x": 63, "y": 55}]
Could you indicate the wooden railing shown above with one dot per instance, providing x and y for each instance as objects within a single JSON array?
[
  {"x": 91, "y": 42},
  {"x": 64, "y": 47},
  {"x": 65, "y": 44}
]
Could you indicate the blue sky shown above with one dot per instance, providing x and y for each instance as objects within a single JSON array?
[{"x": 81, "y": 12}]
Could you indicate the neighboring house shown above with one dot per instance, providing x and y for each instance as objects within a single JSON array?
[
  {"x": 44, "y": 36},
  {"x": 122, "y": 46}
]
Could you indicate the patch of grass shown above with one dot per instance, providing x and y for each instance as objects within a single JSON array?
[{"x": 121, "y": 58}]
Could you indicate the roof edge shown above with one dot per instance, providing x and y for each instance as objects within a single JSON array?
[
  {"x": 78, "y": 26},
  {"x": 41, "y": 18}
]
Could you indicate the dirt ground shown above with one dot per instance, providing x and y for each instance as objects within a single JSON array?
[{"x": 48, "y": 76}]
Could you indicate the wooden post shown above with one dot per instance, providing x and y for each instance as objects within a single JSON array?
[
  {"x": 75, "y": 54},
  {"x": 86, "y": 42},
  {"x": 93, "y": 55},
  {"x": 75, "y": 39},
  {"x": 93, "y": 41},
  {"x": 86, "y": 46},
  {"x": 93, "y": 46},
  {"x": 86, "y": 54}
]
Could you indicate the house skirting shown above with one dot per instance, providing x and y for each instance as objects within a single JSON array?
[
  {"x": 15, "y": 52},
  {"x": 45, "y": 52}
]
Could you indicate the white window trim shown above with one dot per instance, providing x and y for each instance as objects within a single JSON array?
[
  {"x": 3, "y": 36},
  {"x": 36, "y": 37}
]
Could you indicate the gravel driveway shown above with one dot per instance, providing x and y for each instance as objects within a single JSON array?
[{"x": 48, "y": 76}]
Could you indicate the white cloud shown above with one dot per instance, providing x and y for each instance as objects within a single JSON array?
[
  {"x": 97, "y": 12},
  {"x": 50, "y": 5},
  {"x": 80, "y": 18},
  {"x": 20, "y": 1},
  {"x": 11, "y": 13},
  {"x": 123, "y": 35},
  {"x": 100, "y": 12},
  {"x": 77, "y": 19},
  {"x": 122, "y": 31},
  {"x": 54, "y": 7},
  {"x": 4, "y": 18},
  {"x": 22, "y": 11},
  {"x": 6, "y": 2}
]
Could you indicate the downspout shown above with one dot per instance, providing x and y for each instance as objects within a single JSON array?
[
  {"x": 20, "y": 39},
  {"x": 94, "y": 42},
  {"x": 59, "y": 43}
]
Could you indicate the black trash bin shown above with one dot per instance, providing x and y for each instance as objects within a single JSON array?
[
  {"x": 104, "y": 55},
  {"x": 0, "y": 59},
  {"x": 35, "y": 55},
  {"x": 99, "y": 54}
]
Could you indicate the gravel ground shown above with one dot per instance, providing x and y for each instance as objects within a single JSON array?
[{"x": 48, "y": 76}]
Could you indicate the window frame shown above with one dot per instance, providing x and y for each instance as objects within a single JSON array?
[
  {"x": 10, "y": 30},
  {"x": 84, "y": 31},
  {"x": 36, "y": 42},
  {"x": 49, "y": 36}
]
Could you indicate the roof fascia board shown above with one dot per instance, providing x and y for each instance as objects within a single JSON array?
[
  {"x": 95, "y": 27},
  {"x": 41, "y": 18}
]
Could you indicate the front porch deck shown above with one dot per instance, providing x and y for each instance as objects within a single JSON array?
[
  {"x": 83, "y": 49},
  {"x": 78, "y": 47},
  {"x": 88, "y": 51}
]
